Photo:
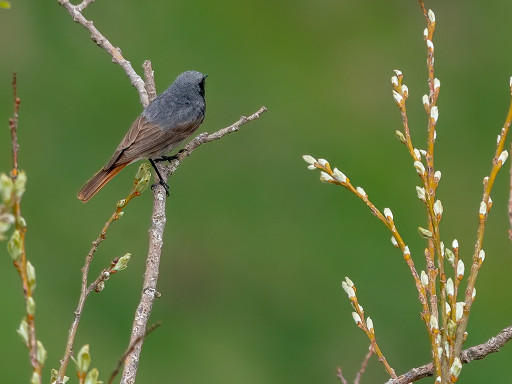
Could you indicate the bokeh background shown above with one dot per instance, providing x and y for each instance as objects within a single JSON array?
[{"x": 255, "y": 246}]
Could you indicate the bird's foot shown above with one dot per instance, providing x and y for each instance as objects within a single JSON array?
[
  {"x": 169, "y": 158},
  {"x": 163, "y": 184}
]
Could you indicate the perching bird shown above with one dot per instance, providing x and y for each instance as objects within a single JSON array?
[{"x": 168, "y": 120}]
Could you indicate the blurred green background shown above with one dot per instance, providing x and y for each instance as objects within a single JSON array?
[{"x": 255, "y": 246}]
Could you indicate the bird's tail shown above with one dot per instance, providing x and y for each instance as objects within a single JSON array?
[{"x": 98, "y": 181}]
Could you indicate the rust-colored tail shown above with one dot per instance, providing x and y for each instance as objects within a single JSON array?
[{"x": 98, "y": 181}]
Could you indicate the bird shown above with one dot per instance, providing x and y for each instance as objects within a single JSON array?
[{"x": 167, "y": 121}]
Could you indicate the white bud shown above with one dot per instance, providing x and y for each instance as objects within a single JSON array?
[
  {"x": 421, "y": 193},
  {"x": 369, "y": 324},
  {"x": 388, "y": 214},
  {"x": 406, "y": 251},
  {"x": 430, "y": 45},
  {"x": 420, "y": 168},
  {"x": 455, "y": 368},
  {"x": 431, "y": 16},
  {"x": 425, "y": 34},
  {"x": 360, "y": 308},
  {"x": 323, "y": 162},
  {"x": 405, "y": 90},
  {"x": 400, "y": 136},
  {"x": 486, "y": 179},
  {"x": 473, "y": 294},
  {"x": 483, "y": 208},
  {"x": 449, "y": 287},
  {"x": 394, "y": 242},
  {"x": 309, "y": 159},
  {"x": 398, "y": 97},
  {"x": 442, "y": 248},
  {"x": 434, "y": 325},
  {"x": 325, "y": 178},
  {"x": 417, "y": 153},
  {"x": 394, "y": 81},
  {"x": 339, "y": 176},
  {"x": 437, "y": 84},
  {"x": 348, "y": 289},
  {"x": 434, "y": 113},
  {"x": 438, "y": 208},
  {"x": 460, "y": 269},
  {"x": 459, "y": 310},
  {"x": 426, "y": 102},
  {"x": 349, "y": 282},
  {"x": 437, "y": 176},
  {"x": 424, "y": 279},
  {"x": 481, "y": 255},
  {"x": 311, "y": 167},
  {"x": 448, "y": 309},
  {"x": 498, "y": 139},
  {"x": 455, "y": 244},
  {"x": 398, "y": 72},
  {"x": 356, "y": 318},
  {"x": 425, "y": 233},
  {"x": 450, "y": 256},
  {"x": 361, "y": 192},
  {"x": 510, "y": 82},
  {"x": 435, "y": 134},
  {"x": 423, "y": 153},
  {"x": 503, "y": 157}
]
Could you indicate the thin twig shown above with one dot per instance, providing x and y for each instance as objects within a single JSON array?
[
  {"x": 476, "y": 352},
  {"x": 80, "y": 7},
  {"x": 102, "y": 42},
  {"x": 21, "y": 261},
  {"x": 149, "y": 76},
  {"x": 485, "y": 206},
  {"x": 85, "y": 289},
  {"x": 158, "y": 220},
  {"x": 510, "y": 199},
  {"x": 341, "y": 377},
  {"x": 364, "y": 364},
  {"x": 130, "y": 349},
  {"x": 13, "y": 124},
  {"x": 336, "y": 178}
]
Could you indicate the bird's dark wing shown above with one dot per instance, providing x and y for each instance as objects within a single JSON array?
[{"x": 147, "y": 140}]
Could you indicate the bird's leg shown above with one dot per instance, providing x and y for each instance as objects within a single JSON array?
[
  {"x": 169, "y": 158},
  {"x": 161, "y": 180}
]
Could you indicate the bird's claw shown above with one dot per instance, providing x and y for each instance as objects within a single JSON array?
[
  {"x": 169, "y": 158},
  {"x": 163, "y": 184}
]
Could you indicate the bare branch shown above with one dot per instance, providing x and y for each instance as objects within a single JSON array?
[
  {"x": 13, "y": 125},
  {"x": 341, "y": 377},
  {"x": 156, "y": 234},
  {"x": 20, "y": 261},
  {"x": 80, "y": 7},
  {"x": 130, "y": 349},
  {"x": 86, "y": 290},
  {"x": 361, "y": 371},
  {"x": 476, "y": 352},
  {"x": 102, "y": 42},
  {"x": 149, "y": 75},
  {"x": 206, "y": 138},
  {"x": 510, "y": 200}
]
